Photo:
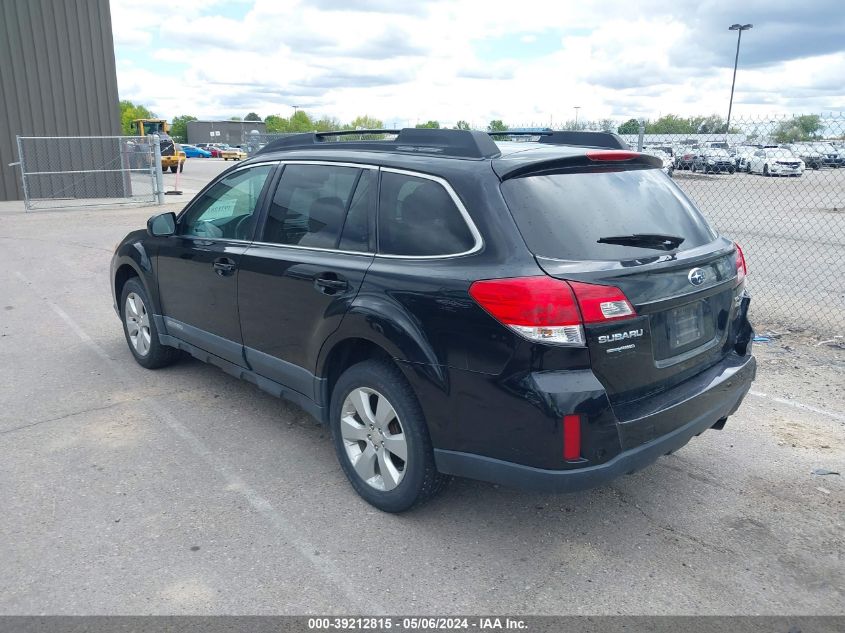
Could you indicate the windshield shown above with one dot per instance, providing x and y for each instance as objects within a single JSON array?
[{"x": 564, "y": 215}]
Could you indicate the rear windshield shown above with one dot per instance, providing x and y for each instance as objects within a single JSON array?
[{"x": 563, "y": 215}]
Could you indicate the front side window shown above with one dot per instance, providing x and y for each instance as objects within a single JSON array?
[
  {"x": 310, "y": 204},
  {"x": 227, "y": 209},
  {"x": 417, "y": 217}
]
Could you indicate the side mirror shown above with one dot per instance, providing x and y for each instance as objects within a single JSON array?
[{"x": 162, "y": 225}]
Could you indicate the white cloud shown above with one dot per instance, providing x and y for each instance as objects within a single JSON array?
[{"x": 468, "y": 60}]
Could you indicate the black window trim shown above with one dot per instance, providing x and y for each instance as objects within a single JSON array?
[{"x": 476, "y": 234}]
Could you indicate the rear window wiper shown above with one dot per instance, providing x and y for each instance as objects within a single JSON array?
[{"x": 644, "y": 240}]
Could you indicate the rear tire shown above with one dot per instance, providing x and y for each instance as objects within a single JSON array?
[
  {"x": 181, "y": 167},
  {"x": 371, "y": 442},
  {"x": 139, "y": 328},
  {"x": 766, "y": 170}
]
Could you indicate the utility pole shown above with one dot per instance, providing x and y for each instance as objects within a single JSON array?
[
  {"x": 576, "y": 116},
  {"x": 739, "y": 28}
]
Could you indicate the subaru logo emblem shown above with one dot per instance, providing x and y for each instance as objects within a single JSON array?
[{"x": 696, "y": 276}]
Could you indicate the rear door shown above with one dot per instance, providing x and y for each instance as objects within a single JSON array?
[
  {"x": 684, "y": 296},
  {"x": 299, "y": 277}
]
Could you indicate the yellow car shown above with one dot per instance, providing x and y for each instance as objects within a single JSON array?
[{"x": 233, "y": 153}]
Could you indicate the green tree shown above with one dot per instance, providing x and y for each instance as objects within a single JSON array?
[
  {"x": 434, "y": 125},
  {"x": 800, "y": 128},
  {"x": 179, "y": 127},
  {"x": 300, "y": 122},
  {"x": 252, "y": 116},
  {"x": 496, "y": 125},
  {"x": 605, "y": 125},
  {"x": 462, "y": 125},
  {"x": 129, "y": 112},
  {"x": 574, "y": 125},
  {"x": 365, "y": 122},
  {"x": 276, "y": 124},
  {"x": 327, "y": 124},
  {"x": 235, "y": 118},
  {"x": 670, "y": 124},
  {"x": 631, "y": 126}
]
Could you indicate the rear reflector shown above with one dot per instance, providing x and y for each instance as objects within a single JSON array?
[
  {"x": 550, "y": 310},
  {"x": 571, "y": 437},
  {"x": 741, "y": 268},
  {"x": 611, "y": 155}
]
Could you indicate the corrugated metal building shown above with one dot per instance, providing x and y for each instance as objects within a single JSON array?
[
  {"x": 57, "y": 76},
  {"x": 229, "y": 132}
]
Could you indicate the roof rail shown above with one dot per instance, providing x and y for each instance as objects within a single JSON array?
[
  {"x": 604, "y": 140},
  {"x": 453, "y": 143}
]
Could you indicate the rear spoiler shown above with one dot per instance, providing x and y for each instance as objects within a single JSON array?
[{"x": 618, "y": 159}]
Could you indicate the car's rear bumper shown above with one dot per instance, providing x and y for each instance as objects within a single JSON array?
[{"x": 726, "y": 386}]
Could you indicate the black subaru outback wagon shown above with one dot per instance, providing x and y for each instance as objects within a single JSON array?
[{"x": 546, "y": 313}]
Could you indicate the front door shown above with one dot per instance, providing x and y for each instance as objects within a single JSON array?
[{"x": 198, "y": 267}]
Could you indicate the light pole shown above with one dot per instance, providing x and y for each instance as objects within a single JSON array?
[
  {"x": 576, "y": 116},
  {"x": 739, "y": 28}
]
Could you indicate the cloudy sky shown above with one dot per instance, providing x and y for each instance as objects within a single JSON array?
[{"x": 526, "y": 62}]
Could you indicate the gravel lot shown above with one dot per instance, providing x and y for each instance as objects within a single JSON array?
[{"x": 127, "y": 491}]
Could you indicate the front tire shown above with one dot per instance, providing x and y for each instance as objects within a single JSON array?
[
  {"x": 139, "y": 328},
  {"x": 381, "y": 438},
  {"x": 766, "y": 170},
  {"x": 173, "y": 169}
]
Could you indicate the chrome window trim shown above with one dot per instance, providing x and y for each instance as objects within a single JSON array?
[
  {"x": 476, "y": 234},
  {"x": 313, "y": 248}
]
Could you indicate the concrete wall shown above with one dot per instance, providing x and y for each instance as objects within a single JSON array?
[
  {"x": 57, "y": 76},
  {"x": 231, "y": 132}
]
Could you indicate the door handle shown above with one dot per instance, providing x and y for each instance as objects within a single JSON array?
[
  {"x": 330, "y": 285},
  {"x": 224, "y": 266}
]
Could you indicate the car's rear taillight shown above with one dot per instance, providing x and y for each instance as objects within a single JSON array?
[
  {"x": 741, "y": 268},
  {"x": 550, "y": 310}
]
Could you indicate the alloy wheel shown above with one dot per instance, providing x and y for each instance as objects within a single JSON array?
[
  {"x": 137, "y": 323},
  {"x": 373, "y": 438}
]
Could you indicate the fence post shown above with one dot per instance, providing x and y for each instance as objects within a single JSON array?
[
  {"x": 640, "y": 137},
  {"x": 159, "y": 178},
  {"x": 26, "y": 204}
]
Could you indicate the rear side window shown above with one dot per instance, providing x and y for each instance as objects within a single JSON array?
[
  {"x": 564, "y": 215},
  {"x": 310, "y": 204},
  {"x": 418, "y": 217}
]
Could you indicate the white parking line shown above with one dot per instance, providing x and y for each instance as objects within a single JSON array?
[
  {"x": 292, "y": 535},
  {"x": 799, "y": 405}
]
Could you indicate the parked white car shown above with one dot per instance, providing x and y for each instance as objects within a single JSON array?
[
  {"x": 741, "y": 154},
  {"x": 775, "y": 161}
]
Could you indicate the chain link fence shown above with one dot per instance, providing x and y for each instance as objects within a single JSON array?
[
  {"x": 82, "y": 171},
  {"x": 776, "y": 187},
  {"x": 252, "y": 142}
]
